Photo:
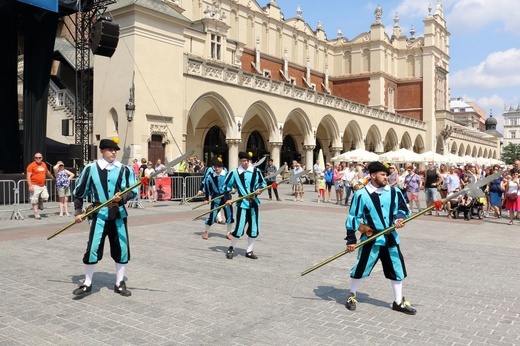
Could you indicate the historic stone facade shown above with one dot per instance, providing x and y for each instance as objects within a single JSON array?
[
  {"x": 223, "y": 76},
  {"x": 512, "y": 125}
]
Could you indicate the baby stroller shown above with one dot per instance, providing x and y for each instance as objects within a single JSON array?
[
  {"x": 477, "y": 208},
  {"x": 474, "y": 208}
]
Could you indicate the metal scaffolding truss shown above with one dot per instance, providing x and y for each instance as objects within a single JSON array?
[{"x": 83, "y": 21}]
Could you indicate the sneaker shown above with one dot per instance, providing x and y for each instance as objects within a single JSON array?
[
  {"x": 404, "y": 307},
  {"x": 40, "y": 205},
  {"x": 61, "y": 214},
  {"x": 270, "y": 199},
  {"x": 82, "y": 290},
  {"x": 350, "y": 304},
  {"x": 122, "y": 289},
  {"x": 37, "y": 216},
  {"x": 251, "y": 255},
  {"x": 279, "y": 199},
  {"x": 229, "y": 254}
]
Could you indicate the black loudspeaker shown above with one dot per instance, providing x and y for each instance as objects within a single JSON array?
[
  {"x": 75, "y": 151},
  {"x": 66, "y": 127},
  {"x": 104, "y": 37},
  {"x": 92, "y": 152}
]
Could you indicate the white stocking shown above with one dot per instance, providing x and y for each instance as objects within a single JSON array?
[
  {"x": 398, "y": 291},
  {"x": 354, "y": 285},
  {"x": 120, "y": 273},
  {"x": 250, "y": 242},
  {"x": 89, "y": 273}
]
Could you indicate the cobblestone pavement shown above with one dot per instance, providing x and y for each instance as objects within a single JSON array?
[{"x": 463, "y": 280}]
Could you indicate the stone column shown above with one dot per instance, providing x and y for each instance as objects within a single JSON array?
[
  {"x": 275, "y": 153},
  {"x": 336, "y": 151},
  {"x": 233, "y": 152},
  {"x": 308, "y": 156}
]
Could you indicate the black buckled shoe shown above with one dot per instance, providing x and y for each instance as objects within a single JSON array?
[
  {"x": 404, "y": 307},
  {"x": 230, "y": 251},
  {"x": 351, "y": 302},
  {"x": 122, "y": 290},
  {"x": 251, "y": 255},
  {"x": 82, "y": 290}
]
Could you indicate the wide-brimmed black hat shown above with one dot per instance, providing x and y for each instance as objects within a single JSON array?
[
  {"x": 377, "y": 166},
  {"x": 108, "y": 144}
]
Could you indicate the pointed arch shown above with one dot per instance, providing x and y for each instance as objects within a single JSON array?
[
  {"x": 418, "y": 144},
  {"x": 453, "y": 148},
  {"x": 328, "y": 131},
  {"x": 211, "y": 101},
  {"x": 461, "y": 152},
  {"x": 301, "y": 121},
  {"x": 373, "y": 141},
  {"x": 265, "y": 116},
  {"x": 207, "y": 111},
  {"x": 391, "y": 142},
  {"x": 406, "y": 141},
  {"x": 353, "y": 136}
]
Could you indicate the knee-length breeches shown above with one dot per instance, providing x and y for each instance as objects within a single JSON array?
[
  {"x": 117, "y": 233},
  {"x": 249, "y": 217},
  {"x": 228, "y": 212},
  {"x": 391, "y": 259}
]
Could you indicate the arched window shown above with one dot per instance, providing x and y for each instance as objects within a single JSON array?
[
  {"x": 215, "y": 145},
  {"x": 289, "y": 151},
  {"x": 256, "y": 145},
  {"x": 347, "y": 63},
  {"x": 410, "y": 66},
  {"x": 366, "y": 60}
]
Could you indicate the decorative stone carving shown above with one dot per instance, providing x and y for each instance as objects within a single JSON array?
[
  {"x": 195, "y": 67},
  {"x": 214, "y": 72},
  {"x": 233, "y": 141},
  {"x": 378, "y": 12},
  {"x": 161, "y": 130}
]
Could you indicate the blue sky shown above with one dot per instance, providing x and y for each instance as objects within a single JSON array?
[{"x": 484, "y": 41}]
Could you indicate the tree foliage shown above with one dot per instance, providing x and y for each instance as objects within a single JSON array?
[{"x": 510, "y": 153}]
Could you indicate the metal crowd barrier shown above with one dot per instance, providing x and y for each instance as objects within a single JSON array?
[
  {"x": 192, "y": 185},
  {"x": 16, "y": 195},
  {"x": 8, "y": 191},
  {"x": 178, "y": 188}
]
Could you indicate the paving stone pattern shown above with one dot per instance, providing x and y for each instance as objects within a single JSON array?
[{"x": 463, "y": 280}]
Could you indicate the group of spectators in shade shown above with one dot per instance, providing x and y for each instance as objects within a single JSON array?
[{"x": 146, "y": 169}]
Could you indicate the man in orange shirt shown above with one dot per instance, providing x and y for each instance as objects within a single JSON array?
[{"x": 36, "y": 173}]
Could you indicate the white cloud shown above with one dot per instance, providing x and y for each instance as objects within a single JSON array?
[
  {"x": 492, "y": 104},
  {"x": 472, "y": 15},
  {"x": 499, "y": 70},
  {"x": 413, "y": 9},
  {"x": 466, "y": 15}
]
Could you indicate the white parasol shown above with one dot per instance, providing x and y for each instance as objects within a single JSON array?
[{"x": 400, "y": 156}]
